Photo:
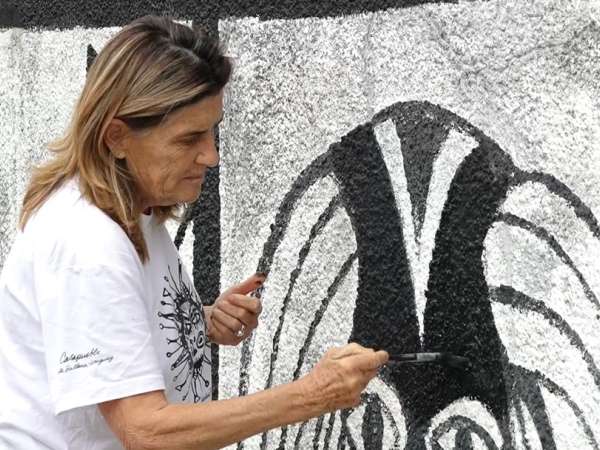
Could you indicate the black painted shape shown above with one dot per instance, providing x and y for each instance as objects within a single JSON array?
[
  {"x": 385, "y": 313},
  {"x": 463, "y": 439},
  {"x": 104, "y": 13},
  {"x": 521, "y": 419},
  {"x": 314, "y": 172},
  {"x": 464, "y": 424},
  {"x": 421, "y": 138},
  {"x": 329, "y": 431},
  {"x": 10, "y": 17},
  {"x": 458, "y": 316},
  {"x": 316, "y": 436},
  {"x": 345, "y": 436},
  {"x": 463, "y": 325},
  {"x": 390, "y": 417},
  {"x": 372, "y": 427},
  {"x": 543, "y": 234},
  {"x": 91, "y": 56},
  {"x": 531, "y": 395},
  {"x": 519, "y": 391},
  {"x": 206, "y": 272}
]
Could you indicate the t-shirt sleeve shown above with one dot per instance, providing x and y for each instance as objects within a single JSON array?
[{"x": 95, "y": 324}]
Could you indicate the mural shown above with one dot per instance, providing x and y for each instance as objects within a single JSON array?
[
  {"x": 438, "y": 224},
  {"x": 415, "y": 177}
]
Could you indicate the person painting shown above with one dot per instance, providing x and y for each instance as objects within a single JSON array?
[{"x": 104, "y": 342}]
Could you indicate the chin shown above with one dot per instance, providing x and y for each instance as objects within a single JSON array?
[{"x": 192, "y": 197}]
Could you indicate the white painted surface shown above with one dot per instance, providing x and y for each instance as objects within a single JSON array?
[{"x": 525, "y": 73}]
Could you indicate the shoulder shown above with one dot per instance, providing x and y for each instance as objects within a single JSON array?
[{"x": 68, "y": 231}]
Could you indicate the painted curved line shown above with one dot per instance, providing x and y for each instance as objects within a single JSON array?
[
  {"x": 555, "y": 389},
  {"x": 531, "y": 396},
  {"x": 329, "y": 430},
  {"x": 331, "y": 291},
  {"x": 509, "y": 296},
  {"x": 345, "y": 436},
  {"x": 544, "y": 235},
  {"x": 316, "y": 436},
  {"x": 557, "y": 187},
  {"x": 388, "y": 414},
  {"x": 384, "y": 409},
  {"x": 314, "y": 172},
  {"x": 315, "y": 231},
  {"x": 458, "y": 422}
]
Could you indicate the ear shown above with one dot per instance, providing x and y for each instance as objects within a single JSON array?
[{"x": 116, "y": 138}]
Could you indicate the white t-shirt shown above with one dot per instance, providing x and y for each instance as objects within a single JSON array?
[{"x": 82, "y": 321}]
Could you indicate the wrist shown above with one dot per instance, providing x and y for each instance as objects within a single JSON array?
[{"x": 305, "y": 398}]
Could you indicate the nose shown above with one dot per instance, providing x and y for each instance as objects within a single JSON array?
[{"x": 209, "y": 156}]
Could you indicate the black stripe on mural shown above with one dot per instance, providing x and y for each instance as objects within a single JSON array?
[
  {"x": 507, "y": 295},
  {"x": 71, "y": 13},
  {"x": 530, "y": 395},
  {"x": 331, "y": 292},
  {"x": 315, "y": 231},
  {"x": 525, "y": 381},
  {"x": 465, "y": 428},
  {"x": 558, "y": 188},
  {"x": 309, "y": 176},
  {"x": 384, "y": 274}
]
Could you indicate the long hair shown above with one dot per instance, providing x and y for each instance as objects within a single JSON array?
[{"x": 152, "y": 67}]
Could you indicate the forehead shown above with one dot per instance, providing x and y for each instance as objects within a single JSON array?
[{"x": 201, "y": 115}]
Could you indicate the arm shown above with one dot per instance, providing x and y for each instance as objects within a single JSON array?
[{"x": 148, "y": 421}]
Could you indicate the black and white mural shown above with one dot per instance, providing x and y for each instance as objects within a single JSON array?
[{"x": 413, "y": 176}]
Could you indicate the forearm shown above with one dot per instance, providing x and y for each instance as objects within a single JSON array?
[{"x": 216, "y": 424}]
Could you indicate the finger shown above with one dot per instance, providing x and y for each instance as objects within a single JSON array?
[
  {"x": 245, "y": 316},
  {"x": 217, "y": 329},
  {"x": 370, "y": 374},
  {"x": 349, "y": 350},
  {"x": 372, "y": 360},
  {"x": 250, "y": 304},
  {"x": 230, "y": 323},
  {"x": 234, "y": 311},
  {"x": 248, "y": 285}
]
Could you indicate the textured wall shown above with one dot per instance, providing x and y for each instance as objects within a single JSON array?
[{"x": 413, "y": 176}]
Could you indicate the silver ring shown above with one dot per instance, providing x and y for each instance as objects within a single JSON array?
[{"x": 240, "y": 333}]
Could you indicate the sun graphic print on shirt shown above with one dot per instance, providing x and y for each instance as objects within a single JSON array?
[{"x": 183, "y": 318}]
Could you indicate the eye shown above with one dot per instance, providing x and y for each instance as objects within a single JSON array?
[{"x": 189, "y": 141}]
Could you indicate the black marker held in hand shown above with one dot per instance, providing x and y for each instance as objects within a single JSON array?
[
  {"x": 257, "y": 293},
  {"x": 444, "y": 358}
]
